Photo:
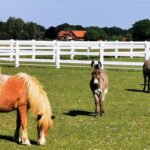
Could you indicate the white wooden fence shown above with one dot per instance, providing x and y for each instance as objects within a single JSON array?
[{"x": 53, "y": 52}]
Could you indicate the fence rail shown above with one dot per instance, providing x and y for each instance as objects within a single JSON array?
[{"x": 66, "y": 52}]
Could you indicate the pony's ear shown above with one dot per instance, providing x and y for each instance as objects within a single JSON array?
[
  {"x": 92, "y": 64},
  {"x": 99, "y": 65}
]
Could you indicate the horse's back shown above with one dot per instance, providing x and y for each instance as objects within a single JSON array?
[{"x": 12, "y": 92}]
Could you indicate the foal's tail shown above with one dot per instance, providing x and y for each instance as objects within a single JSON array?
[{"x": 37, "y": 99}]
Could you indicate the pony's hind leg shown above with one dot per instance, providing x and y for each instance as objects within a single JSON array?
[
  {"x": 18, "y": 124},
  {"x": 23, "y": 117}
]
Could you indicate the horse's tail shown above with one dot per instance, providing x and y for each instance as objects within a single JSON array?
[{"x": 37, "y": 99}]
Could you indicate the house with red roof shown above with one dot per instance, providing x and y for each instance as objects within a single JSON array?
[{"x": 71, "y": 35}]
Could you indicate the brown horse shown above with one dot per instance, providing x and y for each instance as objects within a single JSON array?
[
  {"x": 99, "y": 85},
  {"x": 21, "y": 92},
  {"x": 146, "y": 75}
]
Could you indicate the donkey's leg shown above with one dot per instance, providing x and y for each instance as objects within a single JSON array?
[
  {"x": 101, "y": 103},
  {"x": 96, "y": 100},
  {"x": 18, "y": 124},
  {"x": 23, "y": 116}
]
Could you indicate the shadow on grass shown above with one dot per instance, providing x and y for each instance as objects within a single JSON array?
[
  {"x": 11, "y": 139},
  {"x": 7, "y": 138},
  {"x": 75, "y": 113},
  {"x": 135, "y": 90}
]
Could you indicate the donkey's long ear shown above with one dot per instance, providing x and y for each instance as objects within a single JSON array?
[
  {"x": 92, "y": 64},
  {"x": 99, "y": 65}
]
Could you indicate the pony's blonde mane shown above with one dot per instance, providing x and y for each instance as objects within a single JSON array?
[{"x": 37, "y": 99}]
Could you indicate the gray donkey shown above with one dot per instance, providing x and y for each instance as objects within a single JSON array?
[{"x": 99, "y": 85}]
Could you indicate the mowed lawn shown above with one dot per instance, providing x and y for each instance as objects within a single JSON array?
[{"x": 124, "y": 126}]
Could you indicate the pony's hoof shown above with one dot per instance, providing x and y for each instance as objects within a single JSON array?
[
  {"x": 17, "y": 140},
  {"x": 26, "y": 142},
  {"x": 41, "y": 142}
]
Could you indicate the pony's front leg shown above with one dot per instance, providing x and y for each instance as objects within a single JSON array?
[
  {"x": 18, "y": 124},
  {"x": 23, "y": 117}
]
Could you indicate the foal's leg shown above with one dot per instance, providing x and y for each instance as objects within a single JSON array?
[
  {"x": 18, "y": 124},
  {"x": 23, "y": 117}
]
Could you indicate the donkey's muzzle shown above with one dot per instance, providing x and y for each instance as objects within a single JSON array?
[
  {"x": 98, "y": 91},
  {"x": 95, "y": 81}
]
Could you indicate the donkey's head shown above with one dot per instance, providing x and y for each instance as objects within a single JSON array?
[{"x": 97, "y": 78}]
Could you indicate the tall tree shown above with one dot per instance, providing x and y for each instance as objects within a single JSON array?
[
  {"x": 141, "y": 30},
  {"x": 15, "y": 27},
  {"x": 51, "y": 33},
  {"x": 95, "y": 33}
]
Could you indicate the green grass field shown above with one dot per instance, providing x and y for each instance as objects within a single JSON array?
[{"x": 125, "y": 125}]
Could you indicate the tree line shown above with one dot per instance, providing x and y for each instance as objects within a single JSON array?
[{"x": 16, "y": 28}]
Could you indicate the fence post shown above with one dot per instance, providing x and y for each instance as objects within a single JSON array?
[
  {"x": 11, "y": 48},
  {"x": 131, "y": 49},
  {"x": 54, "y": 50},
  {"x": 72, "y": 50},
  {"x": 101, "y": 45},
  {"x": 33, "y": 49},
  {"x": 88, "y": 49},
  {"x": 17, "y": 54},
  {"x": 57, "y": 55},
  {"x": 146, "y": 50},
  {"x": 116, "y": 50}
]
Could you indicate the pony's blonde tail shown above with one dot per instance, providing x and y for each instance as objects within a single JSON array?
[{"x": 37, "y": 99}]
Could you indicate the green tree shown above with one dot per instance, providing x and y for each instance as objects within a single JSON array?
[
  {"x": 35, "y": 31},
  {"x": 51, "y": 33},
  {"x": 95, "y": 33},
  {"x": 141, "y": 30},
  {"x": 63, "y": 26},
  {"x": 15, "y": 27}
]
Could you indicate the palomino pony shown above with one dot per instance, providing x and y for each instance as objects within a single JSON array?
[
  {"x": 99, "y": 86},
  {"x": 146, "y": 75},
  {"x": 21, "y": 92}
]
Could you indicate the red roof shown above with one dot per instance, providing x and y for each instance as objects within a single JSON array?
[
  {"x": 61, "y": 33},
  {"x": 76, "y": 33}
]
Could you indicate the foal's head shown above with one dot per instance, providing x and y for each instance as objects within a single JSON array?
[{"x": 97, "y": 78}]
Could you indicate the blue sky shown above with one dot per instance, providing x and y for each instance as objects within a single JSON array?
[{"x": 101, "y": 13}]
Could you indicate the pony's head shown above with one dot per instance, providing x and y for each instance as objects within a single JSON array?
[
  {"x": 40, "y": 105},
  {"x": 97, "y": 77},
  {"x": 44, "y": 122}
]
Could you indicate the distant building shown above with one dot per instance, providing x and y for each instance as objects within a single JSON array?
[{"x": 71, "y": 35}]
